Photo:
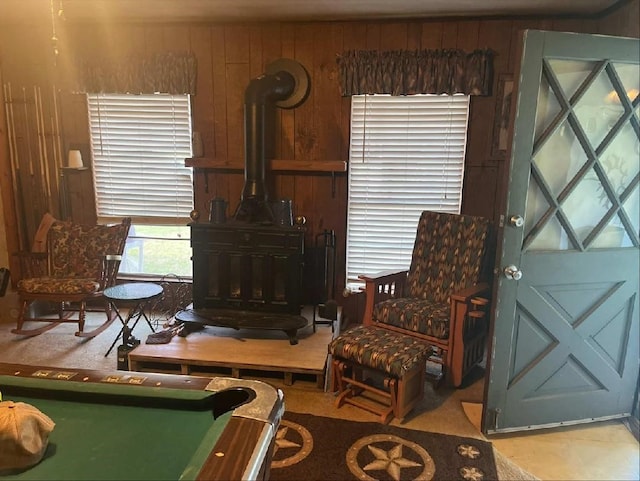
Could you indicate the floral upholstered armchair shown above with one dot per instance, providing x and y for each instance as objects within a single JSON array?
[
  {"x": 443, "y": 298},
  {"x": 79, "y": 263}
]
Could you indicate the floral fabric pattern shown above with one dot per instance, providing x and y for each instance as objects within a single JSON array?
[
  {"x": 77, "y": 253},
  {"x": 380, "y": 349}
]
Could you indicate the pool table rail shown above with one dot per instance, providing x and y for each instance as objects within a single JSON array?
[{"x": 243, "y": 449}]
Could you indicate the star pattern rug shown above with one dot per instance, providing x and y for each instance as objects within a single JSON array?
[{"x": 318, "y": 448}]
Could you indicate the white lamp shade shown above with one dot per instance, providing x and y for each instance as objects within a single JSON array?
[{"x": 75, "y": 159}]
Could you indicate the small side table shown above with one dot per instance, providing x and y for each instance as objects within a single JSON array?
[{"x": 137, "y": 293}]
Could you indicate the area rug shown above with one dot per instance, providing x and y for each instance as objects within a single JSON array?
[{"x": 318, "y": 448}]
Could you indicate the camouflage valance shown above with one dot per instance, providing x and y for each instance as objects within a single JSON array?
[
  {"x": 169, "y": 73},
  {"x": 406, "y": 72}
]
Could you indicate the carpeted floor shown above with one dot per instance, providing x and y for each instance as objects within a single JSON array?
[{"x": 318, "y": 448}]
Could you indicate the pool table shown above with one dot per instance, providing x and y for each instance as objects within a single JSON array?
[{"x": 125, "y": 425}]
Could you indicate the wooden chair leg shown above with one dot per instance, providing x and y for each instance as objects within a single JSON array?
[{"x": 23, "y": 313}]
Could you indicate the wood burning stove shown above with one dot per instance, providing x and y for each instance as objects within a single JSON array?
[
  {"x": 252, "y": 266},
  {"x": 248, "y": 267}
]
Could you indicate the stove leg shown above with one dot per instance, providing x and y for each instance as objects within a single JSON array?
[{"x": 293, "y": 336}]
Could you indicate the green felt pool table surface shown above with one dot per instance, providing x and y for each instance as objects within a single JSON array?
[{"x": 139, "y": 426}]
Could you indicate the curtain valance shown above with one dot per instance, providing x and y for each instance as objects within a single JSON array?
[
  {"x": 406, "y": 72},
  {"x": 169, "y": 73}
]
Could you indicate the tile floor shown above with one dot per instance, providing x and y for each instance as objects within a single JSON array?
[{"x": 600, "y": 451}]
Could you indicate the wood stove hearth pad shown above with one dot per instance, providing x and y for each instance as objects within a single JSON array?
[{"x": 241, "y": 319}]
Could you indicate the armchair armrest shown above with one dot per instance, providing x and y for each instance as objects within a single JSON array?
[
  {"x": 467, "y": 293},
  {"x": 469, "y": 313},
  {"x": 379, "y": 287}
]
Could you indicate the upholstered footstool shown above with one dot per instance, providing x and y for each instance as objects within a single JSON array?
[{"x": 399, "y": 358}]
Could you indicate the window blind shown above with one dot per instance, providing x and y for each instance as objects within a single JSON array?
[
  {"x": 406, "y": 155},
  {"x": 139, "y": 143}
]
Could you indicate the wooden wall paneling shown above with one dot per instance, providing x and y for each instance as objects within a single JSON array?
[
  {"x": 373, "y": 36},
  {"x": 12, "y": 231},
  {"x": 271, "y": 48},
  {"x": 256, "y": 63},
  {"x": 592, "y": 26},
  {"x": 79, "y": 188},
  {"x": 327, "y": 46},
  {"x": 28, "y": 65},
  {"x": 468, "y": 33},
  {"x": 202, "y": 112},
  {"x": 467, "y": 40},
  {"x": 622, "y": 21},
  {"x": 306, "y": 135},
  {"x": 237, "y": 43},
  {"x": 219, "y": 148},
  {"x": 331, "y": 209},
  {"x": 284, "y": 186},
  {"x": 414, "y": 35},
  {"x": 81, "y": 43},
  {"x": 154, "y": 41},
  {"x": 238, "y": 75},
  {"x": 271, "y": 42},
  {"x": 237, "y": 80},
  {"x": 480, "y": 190},
  {"x": 393, "y": 36},
  {"x": 494, "y": 34},
  {"x": 449, "y": 34},
  {"x": 176, "y": 38},
  {"x": 431, "y": 35},
  {"x": 280, "y": 135},
  {"x": 517, "y": 28},
  {"x": 577, "y": 25},
  {"x": 353, "y": 38}
]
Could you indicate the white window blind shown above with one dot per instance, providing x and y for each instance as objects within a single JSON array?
[
  {"x": 139, "y": 143},
  {"x": 406, "y": 155}
]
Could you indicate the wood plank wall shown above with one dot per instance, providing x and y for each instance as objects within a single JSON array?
[{"x": 230, "y": 55}]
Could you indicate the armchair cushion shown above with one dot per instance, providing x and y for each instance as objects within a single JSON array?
[
  {"x": 447, "y": 256},
  {"x": 78, "y": 249},
  {"x": 52, "y": 285},
  {"x": 416, "y": 315},
  {"x": 380, "y": 349}
]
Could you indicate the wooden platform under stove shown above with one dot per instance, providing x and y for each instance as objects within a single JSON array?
[{"x": 238, "y": 353}]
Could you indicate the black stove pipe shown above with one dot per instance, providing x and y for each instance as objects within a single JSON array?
[{"x": 259, "y": 106}]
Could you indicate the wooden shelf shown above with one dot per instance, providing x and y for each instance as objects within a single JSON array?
[{"x": 274, "y": 165}]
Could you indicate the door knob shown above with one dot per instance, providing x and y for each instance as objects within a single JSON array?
[
  {"x": 513, "y": 273},
  {"x": 516, "y": 220}
]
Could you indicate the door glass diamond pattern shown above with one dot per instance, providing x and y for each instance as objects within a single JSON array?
[
  {"x": 583, "y": 192},
  {"x": 598, "y": 117}
]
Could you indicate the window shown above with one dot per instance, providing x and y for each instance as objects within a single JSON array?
[
  {"x": 139, "y": 143},
  {"x": 406, "y": 155}
]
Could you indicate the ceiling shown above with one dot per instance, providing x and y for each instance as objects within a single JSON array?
[{"x": 26, "y": 11}]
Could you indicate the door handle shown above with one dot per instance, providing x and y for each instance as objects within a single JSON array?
[
  {"x": 513, "y": 273},
  {"x": 516, "y": 220}
]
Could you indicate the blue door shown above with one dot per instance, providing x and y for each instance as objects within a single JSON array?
[{"x": 564, "y": 344}]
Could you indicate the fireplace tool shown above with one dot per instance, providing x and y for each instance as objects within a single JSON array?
[{"x": 327, "y": 312}]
